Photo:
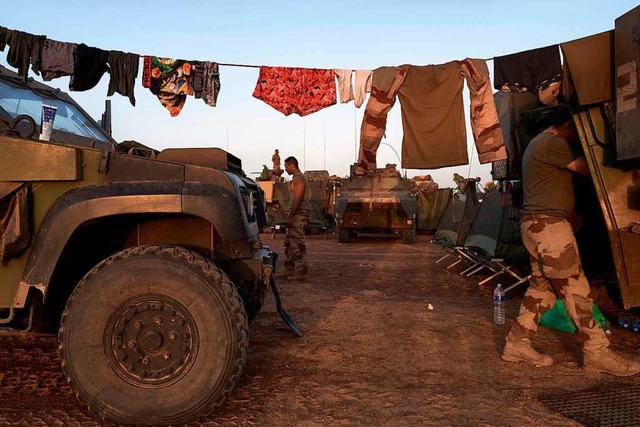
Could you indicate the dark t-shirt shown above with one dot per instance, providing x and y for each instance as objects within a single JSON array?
[{"x": 548, "y": 186}]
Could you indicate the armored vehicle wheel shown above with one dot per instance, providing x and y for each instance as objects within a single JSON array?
[
  {"x": 343, "y": 235},
  {"x": 409, "y": 236},
  {"x": 153, "y": 335}
]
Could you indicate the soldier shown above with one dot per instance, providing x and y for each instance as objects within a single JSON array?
[
  {"x": 547, "y": 166},
  {"x": 277, "y": 170},
  {"x": 295, "y": 248}
]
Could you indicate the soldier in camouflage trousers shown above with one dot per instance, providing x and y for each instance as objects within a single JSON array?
[
  {"x": 556, "y": 271},
  {"x": 295, "y": 248}
]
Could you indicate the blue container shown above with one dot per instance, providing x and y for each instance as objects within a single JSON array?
[{"x": 623, "y": 322}]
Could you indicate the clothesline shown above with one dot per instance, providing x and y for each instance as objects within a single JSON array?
[
  {"x": 230, "y": 64},
  {"x": 304, "y": 90}
]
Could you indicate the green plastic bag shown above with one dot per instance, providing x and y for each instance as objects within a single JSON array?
[{"x": 558, "y": 318}]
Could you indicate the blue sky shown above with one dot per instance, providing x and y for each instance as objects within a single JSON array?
[{"x": 329, "y": 34}]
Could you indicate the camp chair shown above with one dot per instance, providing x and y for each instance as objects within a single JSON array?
[
  {"x": 494, "y": 241},
  {"x": 455, "y": 223}
]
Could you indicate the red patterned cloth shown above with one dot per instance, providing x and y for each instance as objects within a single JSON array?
[{"x": 296, "y": 90}]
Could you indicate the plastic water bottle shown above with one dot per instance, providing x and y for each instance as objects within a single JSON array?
[{"x": 499, "y": 299}]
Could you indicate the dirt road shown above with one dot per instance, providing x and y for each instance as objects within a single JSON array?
[{"x": 373, "y": 352}]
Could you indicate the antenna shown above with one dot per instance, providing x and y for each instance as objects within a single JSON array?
[
  {"x": 324, "y": 142},
  {"x": 106, "y": 117},
  {"x": 355, "y": 134}
]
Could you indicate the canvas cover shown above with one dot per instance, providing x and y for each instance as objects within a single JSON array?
[{"x": 456, "y": 220}]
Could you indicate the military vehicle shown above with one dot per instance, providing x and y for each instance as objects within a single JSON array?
[
  {"x": 379, "y": 201},
  {"x": 277, "y": 198},
  {"x": 609, "y": 133},
  {"x": 148, "y": 265}
]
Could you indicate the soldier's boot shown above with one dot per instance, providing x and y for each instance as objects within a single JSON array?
[
  {"x": 288, "y": 268},
  {"x": 523, "y": 351},
  {"x": 608, "y": 362},
  {"x": 300, "y": 275}
]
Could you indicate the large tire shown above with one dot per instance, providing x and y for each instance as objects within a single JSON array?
[{"x": 153, "y": 335}]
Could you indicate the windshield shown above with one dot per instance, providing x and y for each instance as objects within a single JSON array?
[{"x": 16, "y": 101}]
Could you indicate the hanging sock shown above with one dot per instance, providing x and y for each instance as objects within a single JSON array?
[
  {"x": 363, "y": 86},
  {"x": 4, "y": 33},
  {"x": 296, "y": 90},
  {"x": 344, "y": 84},
  {"x": 123, "y": 68},
  {"x": 169, "y": 79},
  {"x": 206, "y": 81},
  {"x": 24, "y": 49}
]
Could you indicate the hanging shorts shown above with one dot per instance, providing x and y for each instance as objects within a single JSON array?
[{"x": 296, "y": 90}]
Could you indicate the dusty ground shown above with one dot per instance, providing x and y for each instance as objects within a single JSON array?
[{"x": 372, "y": 352}]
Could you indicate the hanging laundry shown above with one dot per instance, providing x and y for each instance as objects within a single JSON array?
[
  {"x": 123, "y": 69},
  {"x": 484, "y": 118},
  {"x": 58, "y": 59},
  {"x": 24, "y": 49},
  {"x": 433, "y": 117},
  {"x": 169, "y": 79},
  {"x": 363, "y": 86},
  {"x": 89, "y": 67},
  {"x": 344, "y": 84},
  {"x": 590, "y": 61},
  {"x": 386, "y": 82},
  {"x": 3, "y": 37},
  {"x": 525, "y": 71},
  {"x": 206, "y": 81},
  {"x": 296, "y": 90}
]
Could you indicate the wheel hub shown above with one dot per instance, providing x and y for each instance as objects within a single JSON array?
[{"x": 151, "y": 340}]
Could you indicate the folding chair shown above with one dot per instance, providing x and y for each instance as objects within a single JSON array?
[{"x": 495, "y": 245}]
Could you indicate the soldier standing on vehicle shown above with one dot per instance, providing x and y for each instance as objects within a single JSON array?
[
  {"x": 547, "y": 165},
  {"x": 295, "y": 248},
  {"x": 277, "y": 170}
]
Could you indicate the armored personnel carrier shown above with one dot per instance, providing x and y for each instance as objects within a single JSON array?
[
  {"x": 148, "y": 265},
  {"x": 379, "y": 201}
]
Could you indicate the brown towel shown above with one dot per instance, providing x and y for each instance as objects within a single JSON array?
[{"x": 590, "y": 60}]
